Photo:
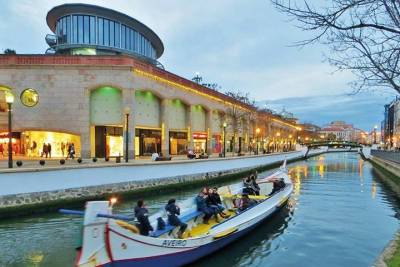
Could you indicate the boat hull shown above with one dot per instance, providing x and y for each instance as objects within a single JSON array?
[{"x": 185, "y": 257}]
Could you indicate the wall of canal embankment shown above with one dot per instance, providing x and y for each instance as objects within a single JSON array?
[{"x": 24, "y": 191}]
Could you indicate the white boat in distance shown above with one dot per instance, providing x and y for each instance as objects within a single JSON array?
[{"x": 110, "y": 242}]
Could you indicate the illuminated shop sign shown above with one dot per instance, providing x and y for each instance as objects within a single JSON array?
[{"x": 200, "y": 135}]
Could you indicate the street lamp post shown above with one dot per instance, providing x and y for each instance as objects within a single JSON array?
[
  {"x": 224, "y": 126},
  {"x": 127, "y": 111},
  {"x": 10, "y": 101},
  {"x": 257, "y": 132}
]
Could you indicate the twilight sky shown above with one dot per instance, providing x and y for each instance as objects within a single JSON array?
[{"x": 240, "y": 46}]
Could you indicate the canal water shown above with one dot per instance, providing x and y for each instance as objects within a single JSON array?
[{"x": 342, "y": 215}]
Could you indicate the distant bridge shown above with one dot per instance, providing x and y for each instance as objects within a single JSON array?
[{"x": 333, "y": 144}]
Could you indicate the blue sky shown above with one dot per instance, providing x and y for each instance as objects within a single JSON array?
[{"x": 240, "y": 45}]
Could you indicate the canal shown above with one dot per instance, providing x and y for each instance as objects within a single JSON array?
[{"x": 342, "y": 215}]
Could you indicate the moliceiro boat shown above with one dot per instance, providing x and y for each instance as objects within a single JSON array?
[{"x": 108, "y": 240}]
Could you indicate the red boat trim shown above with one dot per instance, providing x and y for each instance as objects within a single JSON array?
[
  {"x": 78, "y": 257},
  {"x": 107, "y": 241},
  {"x": 127, "y": 237}
]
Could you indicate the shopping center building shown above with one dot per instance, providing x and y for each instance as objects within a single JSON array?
[{"x": 100, "y": 81}]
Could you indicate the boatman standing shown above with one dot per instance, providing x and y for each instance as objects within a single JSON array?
[{"x": 142, "y": 215}]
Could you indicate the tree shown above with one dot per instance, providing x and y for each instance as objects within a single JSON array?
[
  {"x": 9, "y": 51},
  {"x": 363, "y": 35},
  {"x": 239, "y": 118}
]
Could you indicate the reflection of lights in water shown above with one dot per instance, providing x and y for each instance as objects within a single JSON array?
[
  {"x": 35, "y": 258},
  {"x": 373, "y": 190},
  {"x": 360, "y": 167}
]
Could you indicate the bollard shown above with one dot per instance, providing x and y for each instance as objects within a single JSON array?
[
  {"x": 94, "y": 159},
  {"x": 19, "y": 163},
  {"x": 62, "y": 161},
  {"x": 42, "y": 162},
  {"x": 79, "y": 160}
]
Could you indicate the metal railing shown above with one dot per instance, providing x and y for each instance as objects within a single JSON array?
[{"x": 393, "y": 156}]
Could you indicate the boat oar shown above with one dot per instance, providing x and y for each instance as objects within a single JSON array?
[{"x": 101, "y": 215}]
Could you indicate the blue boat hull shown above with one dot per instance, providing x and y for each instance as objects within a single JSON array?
[{"x": 182, "y": 258}]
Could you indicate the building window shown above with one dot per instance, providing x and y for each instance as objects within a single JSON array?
[
  {"x": 112, "y": 43},
  {"x": 123, "y": 32},
  {"x": 106, "y": 32},
  {"x": 80, "y": 29},
  {"x": 117, "y": 35},
  {"x": 92, "y": 32},
  {"x": 74, "y": 29},
  {"x": 101, "y": 32},
  {"x": 86, "y": 28}
]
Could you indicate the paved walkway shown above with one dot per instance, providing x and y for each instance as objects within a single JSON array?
[{"x": 55, "y": 162}]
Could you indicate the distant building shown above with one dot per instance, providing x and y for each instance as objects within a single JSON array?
[
  {"x": 341, "y": 131},
  {"x": 309, "y": 132},
  {"x": 391, "y": 124}
]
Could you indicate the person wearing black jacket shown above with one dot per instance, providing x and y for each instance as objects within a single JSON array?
[
  {"x": 201, "y": 202},
  {"x": 173, "y": 211},
  {"x": 214, "y": 201},
  {"x": 142, "y": 215}
]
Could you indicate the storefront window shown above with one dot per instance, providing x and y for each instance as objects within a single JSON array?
[
  {"x": 178, "y": 143},
  {"x": 149, "y": 141},
  {"x": 200, "y": 142},
  {"x": 216, "y": 144},
  {"x": 17, "y": 149},
  {"x": 114, "y": 145},
  {"x": 35, "y": 141}
]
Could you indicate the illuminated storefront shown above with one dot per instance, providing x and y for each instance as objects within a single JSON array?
[
  {"x": 178, "y": 143},
  {"x": 148, "y": 141},
  {"x": 200, "y": 142},
  {"x": 108, "y": 141},
  {"x": 34, "y": 141},
  {"x": 216, "y": 144},
  {"x": 17, "y": 149}
]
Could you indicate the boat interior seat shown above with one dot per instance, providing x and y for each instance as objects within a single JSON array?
[{"x": 169, "y": 228}]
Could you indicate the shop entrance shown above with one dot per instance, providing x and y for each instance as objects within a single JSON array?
[
  {"x": 37, "y": 143},
  {"x": 178, "y": 143},
  {"x": 149, "y": 141},
  {"x": 200, "y": 142},
  {"x": 108, "y": 141},
  {"x": 16, "y": 146}
]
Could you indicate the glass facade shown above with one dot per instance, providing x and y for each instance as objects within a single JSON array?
[{"x": 91, "y": 30}]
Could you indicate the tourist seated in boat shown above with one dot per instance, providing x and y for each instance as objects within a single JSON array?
[
  {"x": 249, "y": 185},
  {"x": 277, "y": 185},
  {"x": 142, "y": 215},
  {"x": 254, "y": 185},
  {"x": 173, "y": 211},
  {"x": 214, "y": 201},
  {"x": 201, "y": 203},
  {"x": 245, "y": 202}
]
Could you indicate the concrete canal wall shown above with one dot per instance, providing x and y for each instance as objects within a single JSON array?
[{"x": 21, "y": 190}]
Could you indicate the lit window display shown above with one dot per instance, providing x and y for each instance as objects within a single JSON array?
[
  {"x": 200, "y": 142},
  {"x": 178, "y": 143},
  {"x": 216, "y": 144},
  {"x": 36, "y": 143},
  {"x": 115, "y": 145},
  {"x": 149, "y": 141},
  {"x": 16, "y": 144}
]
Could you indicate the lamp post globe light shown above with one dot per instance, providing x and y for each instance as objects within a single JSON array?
[
  {"x": 257, "y": 133},
  {"x": 10, "y": 101},
  {"x": 127, "y": 110},
  {"x": 224, "y": 126}
]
